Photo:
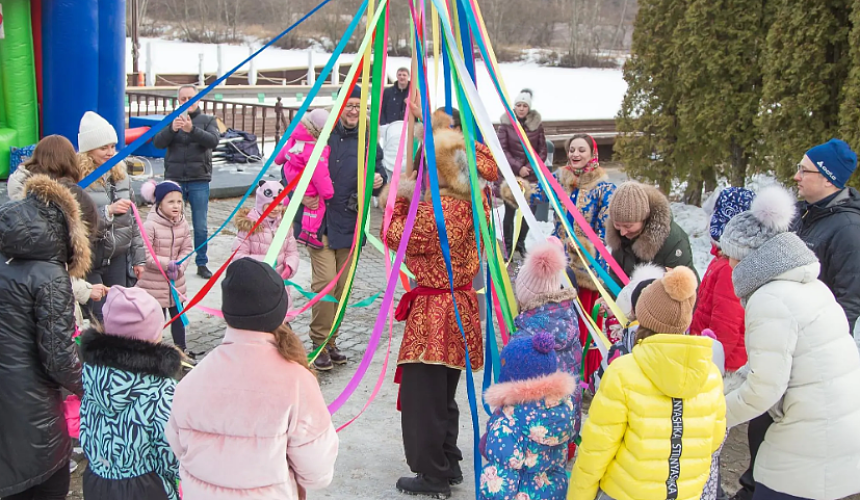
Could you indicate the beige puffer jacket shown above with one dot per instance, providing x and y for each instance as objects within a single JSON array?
[{"x": 171, "y": 241}]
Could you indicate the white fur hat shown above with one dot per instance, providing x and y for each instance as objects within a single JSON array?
[{"x": 95, "y": 132}]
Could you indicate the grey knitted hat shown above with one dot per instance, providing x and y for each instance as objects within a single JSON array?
[{"x": 770, "y": 214}]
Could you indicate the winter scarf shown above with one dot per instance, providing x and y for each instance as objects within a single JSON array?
[{"x": 778, "y": 255}]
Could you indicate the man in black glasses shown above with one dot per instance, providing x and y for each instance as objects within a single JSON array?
[
  {"x": 829, "y": 220},
  {"x": 338, "y": 228}
]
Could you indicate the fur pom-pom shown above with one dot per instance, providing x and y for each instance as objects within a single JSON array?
[
  {"x": 642, "y": 272},
  {"x": 543, "y": 342},
  {"x": 774, "y": 207},
  {"x": 680, "y": 283},
  {"x": 405, "y": 189},
  {"x": 147, "y": 191},
  {"x": 546, "y": 260},
  {"x": 527, "y": 91}
]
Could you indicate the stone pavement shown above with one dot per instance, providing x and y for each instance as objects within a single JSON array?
[{"x": 205, "y": 332}]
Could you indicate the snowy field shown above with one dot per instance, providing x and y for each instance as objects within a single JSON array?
[{"x": 559, "y": 93}]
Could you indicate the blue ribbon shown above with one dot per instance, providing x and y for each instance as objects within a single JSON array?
[
  {"x": 610, "y": 283},
  {"x": 430, "y": 149},
  {"x": 99, "y": 172}
]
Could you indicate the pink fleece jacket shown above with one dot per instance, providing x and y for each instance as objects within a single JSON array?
[
  {"x": 246, "y": 423},
  {"x": 295, "y": 163}
]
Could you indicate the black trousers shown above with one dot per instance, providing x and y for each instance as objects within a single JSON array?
[
  {"x": 110, "y": 274},
  {"x": 430, "y": 419},
  {"x": 508, "y": 229},
  {"x": 755, "y": 433},
  {"x": 55, "y": 488},
  {"x": 177, "y": 329}
]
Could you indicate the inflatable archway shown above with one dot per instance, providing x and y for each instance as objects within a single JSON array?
[{"x": 59, "y": 59}]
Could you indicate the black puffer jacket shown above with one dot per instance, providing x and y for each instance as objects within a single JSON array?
[
  {"x": 340, "y": 213},
  {"x": 189, "y": 155},
  {"x": 41, "y": 237},
  {"x": 393, "y": 104},
  {"x": 833, "y": 233}
]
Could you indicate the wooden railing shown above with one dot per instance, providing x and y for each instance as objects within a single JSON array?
[
  {"x": 266, "y": 121},
  {"x": 270, "y": 121}
]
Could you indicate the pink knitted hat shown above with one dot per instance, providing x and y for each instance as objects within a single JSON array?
[
  {"x": 267, "y": 191},
  {"x": 541, "y": 273},
  {"x": 134, "y": 314}
]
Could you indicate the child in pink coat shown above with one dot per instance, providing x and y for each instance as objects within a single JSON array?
[
  {"x": 250, "y": 422},
  {"x": 295, "y": 157},
  {"x": 257, "y": 244},
  {"x": 170, "y": 236}
]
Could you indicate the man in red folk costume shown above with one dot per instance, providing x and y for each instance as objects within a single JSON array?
[{"x": 432, "y": 355}]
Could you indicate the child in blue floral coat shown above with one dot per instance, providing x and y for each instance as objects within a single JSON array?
[
  {"x": 527, "y": 435},
  {"x": 546, "y": 307}
]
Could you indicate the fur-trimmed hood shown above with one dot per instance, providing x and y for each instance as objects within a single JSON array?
[
  {"x": 656, "y": 230},
  {"x": 531, "y": 123},
  {"x": 46, "y": 225},
  {"x": 553, "y": 387},
  {"x": 556, "y": 297},
  {"x": 587, "y": 181},
  {"x": 130, "y": 355}
]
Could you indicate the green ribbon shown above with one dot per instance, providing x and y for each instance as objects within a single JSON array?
[{"x": 328, "y": 298}]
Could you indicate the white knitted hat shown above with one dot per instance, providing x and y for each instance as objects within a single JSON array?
[
  {"x": 525, "y": 96},
  {"x": 95, "y": 132}
]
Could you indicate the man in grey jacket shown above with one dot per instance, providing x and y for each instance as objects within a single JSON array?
[{"x": 189, "y": 142}]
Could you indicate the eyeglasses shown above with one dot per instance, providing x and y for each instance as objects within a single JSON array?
[
  {"x": 802, "y": 171},
  {"x": 352, "y": 107}
]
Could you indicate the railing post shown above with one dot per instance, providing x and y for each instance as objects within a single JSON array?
[{"x": 279, "y": 114}]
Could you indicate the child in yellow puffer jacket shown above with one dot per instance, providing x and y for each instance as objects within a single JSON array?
[{"x": 660, "y": 413}]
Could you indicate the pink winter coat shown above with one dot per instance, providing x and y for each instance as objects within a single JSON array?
[
  {"x": 246, "y": 423},
  {"x": 259, "y": 242},
  {"x": 171, "y": 241},
  {"x": 294, "y": 163}
]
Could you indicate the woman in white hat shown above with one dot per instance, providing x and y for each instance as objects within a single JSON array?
[{"x": 118, "y": 253}]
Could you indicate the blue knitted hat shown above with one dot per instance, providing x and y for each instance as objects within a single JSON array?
[
  {"x": 835, "y": 160},
  {"x": 730, "y": 202},
  {"x": 163, "y": 188},
  {"x": 528, "y": 357}
]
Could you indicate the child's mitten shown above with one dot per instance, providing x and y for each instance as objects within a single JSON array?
[{"x": 173, "y": 270}]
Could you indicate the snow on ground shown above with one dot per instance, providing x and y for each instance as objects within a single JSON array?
[{"x": 559, "y": 93}]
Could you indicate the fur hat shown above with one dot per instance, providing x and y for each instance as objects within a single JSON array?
[
  {"x": 630, "y": 203},
  {"x": 728, "y": 203},
  {"x": 643, "y": 275},
  {"x": 452, "y": 165},
  {"x": 541, "y": 273},
  {"x": 267, "y": 191},
  {"x": 770, "y": 214},
  {"x": 94, "y": 132},
  {"x": 528, "y": 357},
  {"x": 134, "y": 314},
  {"x": 666, "y": 305},
  {"x": 525, "y": 96}
]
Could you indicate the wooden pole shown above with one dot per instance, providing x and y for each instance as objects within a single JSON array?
[{"x": 413, "y": 97}]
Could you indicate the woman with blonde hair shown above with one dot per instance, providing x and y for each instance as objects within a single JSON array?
[{"x": 119, "y": 246}]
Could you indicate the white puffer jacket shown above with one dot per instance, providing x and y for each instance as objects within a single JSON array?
[{"x": 805, "y": 370}]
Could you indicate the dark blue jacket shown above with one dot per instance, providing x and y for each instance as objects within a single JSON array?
[
  {"x": 341, "y": 214},
  {"x": 393, "y": 104}
]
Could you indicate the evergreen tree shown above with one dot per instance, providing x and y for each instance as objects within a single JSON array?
[
  {"x": 805, "y": 67},
  {"x": 849, "y": 115},
  {"x": 720, "y": 82},
  {"x": 647, "y": 122}
]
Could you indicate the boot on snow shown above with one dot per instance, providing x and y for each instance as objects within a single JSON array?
[{"x": 425, "y": 486}]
